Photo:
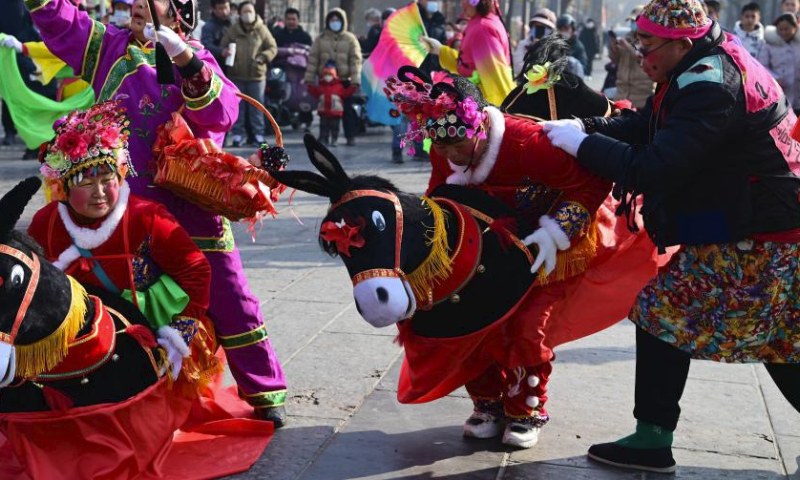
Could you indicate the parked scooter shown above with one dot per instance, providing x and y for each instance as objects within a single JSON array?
[{"x": 298, "y": 105}]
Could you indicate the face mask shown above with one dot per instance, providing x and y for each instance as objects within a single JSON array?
[
  {"x": 567, "y": 34},
  {"x": 590, "y": 25},
  {"x": 449, "y": 35},
  {"x": 432, "y": 7},
  {"x": 540, "y": 31},
  {"x": 335, "y": 25},
  {"x": 328, "y": 78},
  {"x": 120, "y": 18},
  {"x": 248, "y": 17}
]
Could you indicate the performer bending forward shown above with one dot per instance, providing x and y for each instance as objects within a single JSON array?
[{"x": 120, "y": 65}]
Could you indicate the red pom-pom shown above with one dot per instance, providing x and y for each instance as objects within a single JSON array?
[{"x": 143, "y": 335}]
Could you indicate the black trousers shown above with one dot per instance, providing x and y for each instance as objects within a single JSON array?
[
  {"x": 8, "y": 123},
  {"x": 661, "y": 372},
  {"x": 329, "y": 129}
]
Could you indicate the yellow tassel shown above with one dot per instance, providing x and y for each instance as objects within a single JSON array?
[
  {"x": 43, "y": 355},
  {"x": 574, "y": 260},
  {"x": 438, "y": 265}
]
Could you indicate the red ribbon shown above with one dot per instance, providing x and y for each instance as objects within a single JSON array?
[{"x": 343, "y": 235}]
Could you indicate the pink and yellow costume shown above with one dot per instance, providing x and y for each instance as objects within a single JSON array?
[{"x": 119, "y": 67}]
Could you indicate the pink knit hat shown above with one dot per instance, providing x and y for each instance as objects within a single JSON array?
[{"x": 674, "y": 19}]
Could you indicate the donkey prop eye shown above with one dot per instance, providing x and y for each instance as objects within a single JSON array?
[
  {"x": 377, "y": 219},
  {"x": 17, "y": 276}
]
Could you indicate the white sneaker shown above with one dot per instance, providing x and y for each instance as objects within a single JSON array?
[
  {"x": 259, "y": 139},
  {"x": 521, "y": 435},
  {"x": 483, "y": 425}
]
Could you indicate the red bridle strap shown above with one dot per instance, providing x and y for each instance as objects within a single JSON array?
[
  {"x": 33, "y": 265},
  {"x": 397, "y": 272}
]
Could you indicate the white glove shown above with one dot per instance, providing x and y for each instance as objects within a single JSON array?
[
  {"x": 566, "y": 137},
  {"x": 172, "y": 341},
  {"x": 550, "y": 124},
  {"x": 434, "y": 46},
  {"x": 12, "y": 42},
  {"x": 173, "y": 43},
  {"x": 549, "y": 238}
]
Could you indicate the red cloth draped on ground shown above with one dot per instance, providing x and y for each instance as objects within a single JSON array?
[
  {"x": 561, "y": 312},
  {"x": 136, "y": 439}
]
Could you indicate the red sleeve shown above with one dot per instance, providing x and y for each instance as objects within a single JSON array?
[
  {"x": 349, "y": 91},
  {"x": 178, "y": 256},
  {"x": 439, "y": 172},
  {"x": 314, "y": 90},
  {"x": 583, "y": 192},
  {"x": 40, "y": 227}
]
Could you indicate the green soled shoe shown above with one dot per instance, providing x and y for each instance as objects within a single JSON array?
[{"x": 657, "y": 460}]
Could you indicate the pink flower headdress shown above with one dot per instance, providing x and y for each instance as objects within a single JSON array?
[
  {"x": 436, "y": 110},
  {"x": 86, "y": 139}
]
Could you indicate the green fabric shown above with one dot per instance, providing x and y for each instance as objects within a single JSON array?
[
  {"x": 161, "y": 302},
  {"x": 33, "y": 114},
  {"x": 647, "y": 436}
]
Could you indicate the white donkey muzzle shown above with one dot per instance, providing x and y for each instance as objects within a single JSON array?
[
  {"x": 8, "y": 364},
  {"x": 384, "y": 301}
]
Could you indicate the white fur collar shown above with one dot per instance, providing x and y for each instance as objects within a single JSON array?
[
  {"x": 479, "y": 174},
  {"x": 89, "y": 238}
]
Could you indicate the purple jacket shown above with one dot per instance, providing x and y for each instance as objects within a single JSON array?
[{"x": 120, "y": 68}]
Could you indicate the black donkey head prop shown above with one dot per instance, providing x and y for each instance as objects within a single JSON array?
[
  {"x": 411, "y": 256},
  {"x": 573, "y": 98},
  {"x": 42, "y": 313}
]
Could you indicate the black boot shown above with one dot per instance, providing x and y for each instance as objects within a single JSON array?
[
  {"x": 276, "y": 415},
  {"x": 657, "y": 460}
]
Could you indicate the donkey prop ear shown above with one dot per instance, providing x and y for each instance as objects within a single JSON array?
[
  {"x": 309, "y": 182},
  {"x": 13, "y": 203},
  {"x": 326, "y": 163}
]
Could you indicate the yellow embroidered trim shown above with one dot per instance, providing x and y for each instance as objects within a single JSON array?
[{"x": 45, "y": 354}]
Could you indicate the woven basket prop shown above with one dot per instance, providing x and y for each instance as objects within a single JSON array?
[{"x": 198, "y": 170}]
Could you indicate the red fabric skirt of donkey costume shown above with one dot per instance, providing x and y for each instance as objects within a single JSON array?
[
  {"x": 546, "y": 317},
  {"x": 158, "y": 434}
]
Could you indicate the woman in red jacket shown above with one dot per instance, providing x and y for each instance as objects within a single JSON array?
[{"x": 100, "y": 234}]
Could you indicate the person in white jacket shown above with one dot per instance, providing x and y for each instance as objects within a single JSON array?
[
  {"x": 749, "y": 29},
  {"x": 781, "y": 55}
]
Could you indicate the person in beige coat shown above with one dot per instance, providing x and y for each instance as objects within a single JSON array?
[
  {"x": 336, "y": 44},
  {"x": 632, "y": 83},
  {"x": 255, "y": 48}
]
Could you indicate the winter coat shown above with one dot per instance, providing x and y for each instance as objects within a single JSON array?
[
  {"x": 711, "y": 152},
  {"x": 591, "y": 41},
  {"x": 752, "y": 41},
  {"x": 782, "y": 59},
  {"x": 331, "y": 96},
  {"x": 285, "y": 38},
  {"x": 341, "y": 47},
  {"x": 632, "y": 83},
  {"x": 578, "y": 51},
  {"x": 434, "y": 25},
  {"x": 255, "y": 48},
  {"x": 211, "y": 37},
  {"x": 369, "y": 43}
]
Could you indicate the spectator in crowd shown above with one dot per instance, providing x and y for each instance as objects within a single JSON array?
[
  {"x": 255, "y": 48},
  {"x": 435, "y": 26},
  {"x": 542, "y": 24},
  {"x": 374, "y": 27},
  {"x": 337, "y": 44},
  {"x": 274, "y": 24},
  {"x": 292, "y": 32},
  {"x": 632, "y": 82},
  {"x": 214, "y": 29},
  {"x": 461, "y": 23},
  {"x": 790, "y": 6},
  {"x": 591, "y": 41},
  {"x": 713, "y": 9},
  {"x": 121, "y": 15},
  {"x": 566, "y": 26},
  {"x": 781, "y": 55},
  {"x": 749, "y": 28},
  {"x": 450, "y": 30},
  {"x": 331, "y": 92}
]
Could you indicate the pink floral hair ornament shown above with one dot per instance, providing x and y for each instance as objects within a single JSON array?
[
  {"x": 87, "y": 139},
  {"x": 434, "y": 108}
]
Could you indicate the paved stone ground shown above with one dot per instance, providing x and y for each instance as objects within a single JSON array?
[{"x": 347, "y": 424}]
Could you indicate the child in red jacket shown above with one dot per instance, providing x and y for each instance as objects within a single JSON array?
[{"x": 331, "y": 92}]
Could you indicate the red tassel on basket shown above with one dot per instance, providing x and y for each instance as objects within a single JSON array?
[
  {"x": 57, "y": 400},
  {"x": 143, "y": 335}
]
